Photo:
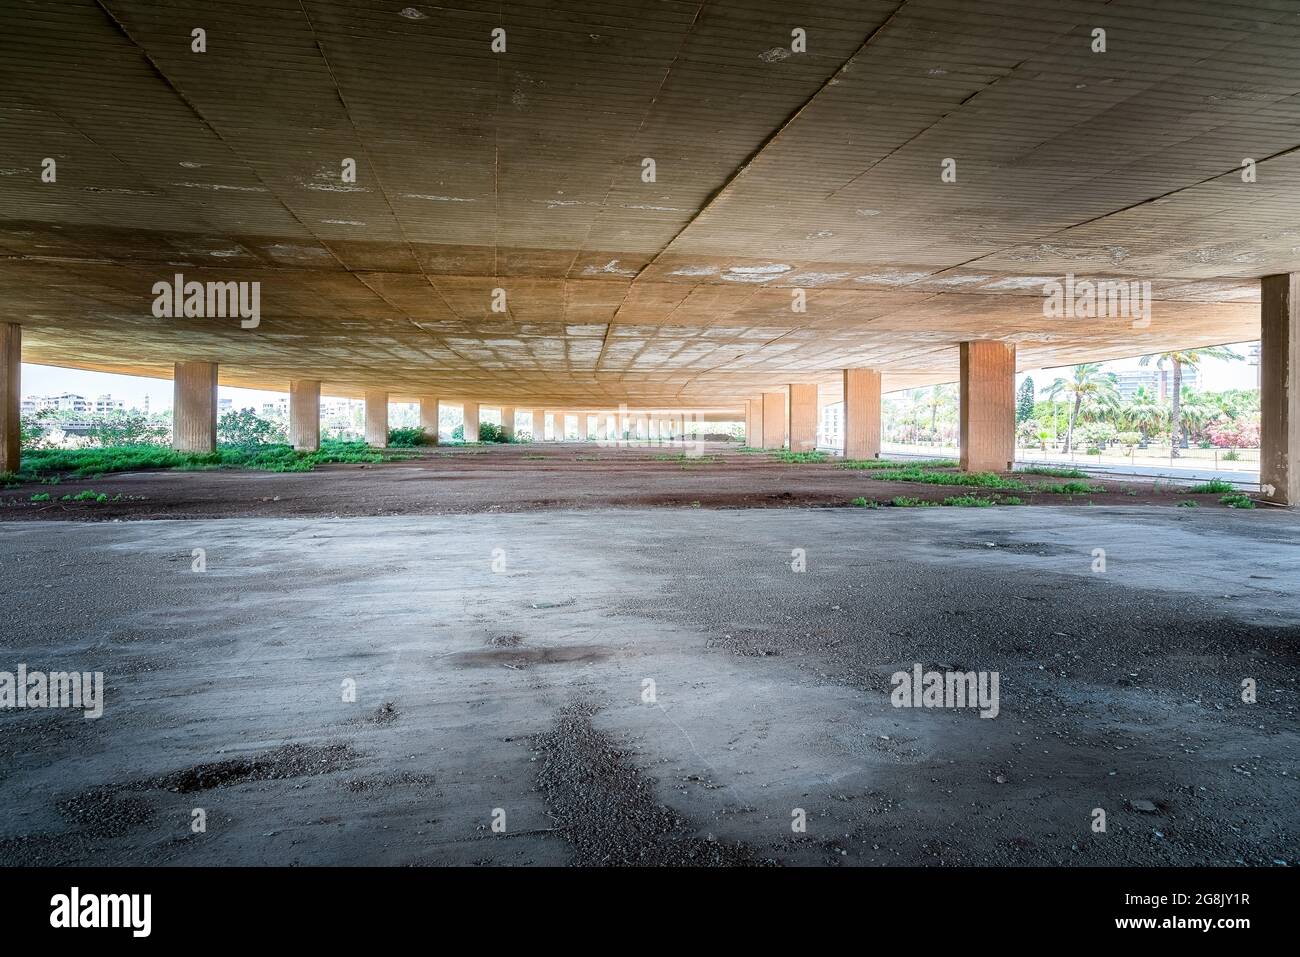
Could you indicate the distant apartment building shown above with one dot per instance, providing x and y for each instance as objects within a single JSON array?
[
  {"x": 67, "y": 402},
  {"x": 1158, "y": 382},
  {"x": 72, "y": 402}
]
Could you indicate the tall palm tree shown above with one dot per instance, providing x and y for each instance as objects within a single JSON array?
[
  {"x": 1088, "y": 386},
  {"x": 1192, "y": 359},
  {"x": 1144, "y": 413}
]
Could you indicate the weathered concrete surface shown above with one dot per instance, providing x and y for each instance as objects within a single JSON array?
[
  {"x": 1279, "y": 388},
  {"x": 861, "y": 414},
  {"x": 516, "y": 679},
  {"x": 377, "y": 419},
  {"x": 304, "y": 414},
  {"x": 802, "y": 417},
  {"x": 194, "y": 406},
  {"x": 11, "y": 349},
  {"x": 987, "y": 406},
  {"x": 773, "y": 420}
]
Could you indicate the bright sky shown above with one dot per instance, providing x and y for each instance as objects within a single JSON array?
[{"x": 1216, "y": 376}]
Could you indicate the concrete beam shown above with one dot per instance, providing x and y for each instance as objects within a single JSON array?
[
  {"x": 988, "y": 406},
  {"x": 377, "y": 420},
  {"x": 802, "y": 417},
  {"x": 429, "y": 417},
  {"x": 469, "y": 421},
  {"x": 861, "y": 414},
  {"x": 194, "y": 407},
  {"x": 773, "y": 420},
  {"x": 11, "y": 372},
  {"x": 1279, "y": 388},
  {"x": 508, "y": 422},
  {"x": 304, "y": 414}
]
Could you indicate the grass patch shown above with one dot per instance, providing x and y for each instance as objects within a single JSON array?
[
  {"x": 903, "y": 501},
  {"x": 1068, "y": 488},
  {"x": 970, "y": 501},
  {"x": 870, "y": 464},
  {"x": 1189, "y": 503},
  {"x": 861, "y": 502},
  {"x": 970, "y": 479},
  {"x": 41, "y": 497},
  {"x": 1214, "y": 486},
  {"x": 799, "y": 458},
  {"x": 1051, "y": 471},
  {"x": 685, "y": 460},
  {"x": 90, "y": 463},
  {"x": 1237, "y": 500}
]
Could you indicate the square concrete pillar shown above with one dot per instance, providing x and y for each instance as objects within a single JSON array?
[
  {"x": 11, "y": 371},
  {"x": 754, "y": 423},
  {"x": 802, "y": 421},
  {"x": 194, "y": 407},
  {"x": 508, "y": 422},
  {"x": 429, "y": 417},
  {"x": 558, "y": 426},
  {"x": 1279, "y": 388},
  {"x": 539, "y": 425},
  {"x": 773, "y": 420},
  {"x": 304, "y": 414},
  {"x": 861, "y": 414},
  {"x": 988, "y": 406},
  {"x": 469, "y": 421},
  {"x": 377, "y": 420}
]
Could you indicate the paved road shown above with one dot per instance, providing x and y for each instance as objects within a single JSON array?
[{"x": 653, "y": 686}]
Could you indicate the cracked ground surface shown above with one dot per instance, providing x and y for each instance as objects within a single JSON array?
[{"x": 641, "y": 686}]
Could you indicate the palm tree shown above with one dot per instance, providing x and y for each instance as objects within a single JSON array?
[
  {"x": 1087, "y": 385},
  {"x": 1144, "y": 412},
  {"x": 1191, "y": 358}
]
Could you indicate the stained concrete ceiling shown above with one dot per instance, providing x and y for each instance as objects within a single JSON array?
[{"x": 522, "y": 170}]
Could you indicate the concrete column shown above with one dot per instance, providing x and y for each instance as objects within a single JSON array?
[
  {"x": 602, "y": 427},
  {"x": 754, "y": 423},
  {"x": 539, "y": 425},
  {"x": 508, "y": 422},
  {"x": 429, "y": 417},
  {"x": 194, "y": 407},
  {"x": 1279, "y": 388},
  {"x": 304, "y": 414},
  {"x": 557, "y": 426},
  {"x": 643, "y": 428},
  {"x": 773, "y": 420},
  {"x": 988, "y": 406},
  {"x": 469, "y": 421},
  {"x": 11, "y": 371},
  {"x": 802, "y": 421},
  {"x": 861, "y": 414},
  {"x": 377, "y": 420}
]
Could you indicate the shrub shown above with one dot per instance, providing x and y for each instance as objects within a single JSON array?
[
  {"x": 407, "y": 438},
  {"x": 245, "y": 427},
  {"x": 799, "y": 458},
  {"x": 127, "y": 429},
  {"x": 1237, "y": 500},
  {"x": 1211, "y": 487},
  {"x": 903, "y": 501}
]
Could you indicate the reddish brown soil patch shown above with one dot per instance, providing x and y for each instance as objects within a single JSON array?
[{"x": 521, "y": 478}]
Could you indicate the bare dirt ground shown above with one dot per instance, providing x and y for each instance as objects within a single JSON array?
[
  {"x": 519, "y": 478},
  {"x": 501, "y": 665}
]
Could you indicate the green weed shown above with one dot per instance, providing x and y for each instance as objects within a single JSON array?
[{"x": 1211, "y": 487}]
